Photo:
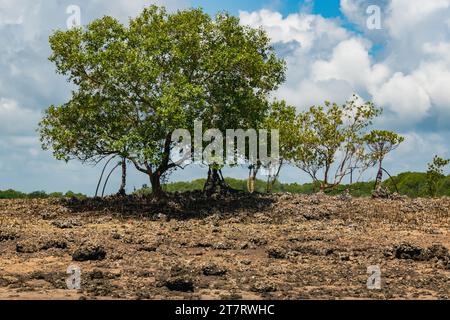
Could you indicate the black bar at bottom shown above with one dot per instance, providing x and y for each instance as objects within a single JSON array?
[{"x": 181, "y": 310}]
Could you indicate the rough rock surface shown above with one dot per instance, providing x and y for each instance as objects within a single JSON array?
[
  {"x": 240, "y": 246},
  {"x": 88, "y": 252}
]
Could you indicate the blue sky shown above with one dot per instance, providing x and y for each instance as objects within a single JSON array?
[
  {"x": 327, "y": 8},
  {"x": 403, "y": 67}
]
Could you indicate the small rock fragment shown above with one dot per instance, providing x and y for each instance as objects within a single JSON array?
[
  {"x": 277, "y": 253},
  {"x": 212, "y": 269},
  {"x": 182, "y": 284},
  {"x": 89, "y": 252}
]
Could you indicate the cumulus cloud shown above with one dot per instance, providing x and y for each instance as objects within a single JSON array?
[
  {"x": 28, "y": 84},
  {"x": 434, "y": 79},
  {"x": 351, "y": 62},
  {"x": 404, "y": 68},
  {"x": 303, "y": 39},
  {"x": 404, "y": 96},
  {"x": 418, "y": 150},
  {"x": 405, "y": 16},
  {"x": 305, "y": 29},
  {"x": 16, "y": 120},
  {"x": 327, "y": 60}
]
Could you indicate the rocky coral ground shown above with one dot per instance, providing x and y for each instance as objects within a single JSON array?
[{"x": 239, "y": 247}]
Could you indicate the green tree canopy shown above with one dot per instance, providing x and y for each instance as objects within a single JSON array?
[
  {"x": 381, "y": 143},
  {"x": 283, "y": 118},
  {"x": 333, "y": 140},
  {"x": 435, "y": 174},
  {"x": 136, "y": 84}
]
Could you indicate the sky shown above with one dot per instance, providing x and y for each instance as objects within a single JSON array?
[{"x": 403, "y": 66}]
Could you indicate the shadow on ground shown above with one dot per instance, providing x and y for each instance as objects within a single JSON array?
[{"x": 180, "y": 206}]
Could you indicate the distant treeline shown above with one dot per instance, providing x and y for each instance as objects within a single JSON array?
[
  {"x": 412, "y": 184},
  {"x": 13, "y": 194}
]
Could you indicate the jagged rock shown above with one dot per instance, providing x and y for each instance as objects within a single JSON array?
[
  {"x": 222, "y": 246},
  {"x": 183, "y": 284},
  {"x": 66, "y": 224},
  {"x": 89, "y": 252},
  {"x": 31, "y": 246},
  {"x": 438, "y": 251},
  {"x": 344, "y": 256},
  {"x": 381, "y": 193},
  {"x": 54, "y": 243},
  {"x": 148, "y": 248},
  {"x": 7, "y": 235},
  {"x": 277, "y": 253},
  {"x": 161, "y": 217},
  {"x": 258, "y": 241},
  {"x": 264, "y": 287},
  {"x": 409, "y": 251},
  {"x": 345, "y": 196},
  {"x": 27, "y": 246},
  {"x": 48, "y": 215},
  {"x": 212, "y": 269}
]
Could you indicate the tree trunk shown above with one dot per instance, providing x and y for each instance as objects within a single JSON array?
[
  {"x": 155, "y": 181},
  {"x": 124, "y": 178},
  {"x": 272, "y": 180},
  {"x": 379, "y": 176},
  {"x": 253, "y": 172},
  {"x": 268, "y": 184},
  {"x": 215, "y": 183},
  {"x": 324, "y": 185},
  {"x": 249, "y": 188}
]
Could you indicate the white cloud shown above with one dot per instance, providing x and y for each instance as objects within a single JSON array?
[
  {"x": 326, "y": 61},
  {"x": 434, "y": 79},
  {"x": 306, "y": 29},
  {"x": 28, "y": 84},
  {"x": 12, "y": 12},
  {"x": 351, "y": 62},
  {"x": 354, "y": 11},
  {"x": 303, "y": 39},
  {"x": 440, "y": 50},
  {"x": 308, "y": 92},
  {"x": 15, "y": 120},
  {"x": 418, "y": 149},
  {"x": 405, "y": 97},
  {"x": 406, "y": 16}
]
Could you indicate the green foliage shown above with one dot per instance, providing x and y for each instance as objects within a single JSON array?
[
  {"x": 38, "y": 195},
  {"x": 381, "y": 143},
  {"x": 12, "y": 194},
  {"x": 412, "y": 184},
  {"x": 69, "y": 194},
  {"x": 136, "y": 84},
  {"x": 435, "y": 174},
  {"x": 283, "y": 118},
  {"x": 415, "y": 184},
  {"x": 333, "y": 135}
]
